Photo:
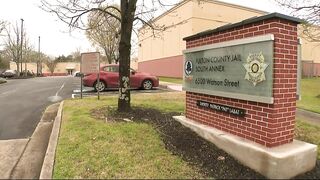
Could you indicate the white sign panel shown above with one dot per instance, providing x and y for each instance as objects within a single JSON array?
[
  {"x": 90, "y": 62},
  {"x": 241, "y": 69}
]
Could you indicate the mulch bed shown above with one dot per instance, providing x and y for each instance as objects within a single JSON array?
[{"x": 180, "y": 140}]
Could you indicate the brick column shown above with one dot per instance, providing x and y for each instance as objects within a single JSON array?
[{"x": 267, "y": 124}]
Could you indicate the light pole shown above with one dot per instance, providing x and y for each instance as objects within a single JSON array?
[
  {"x": 21, "y": 43},
  {"x": 39, "y": 60}
]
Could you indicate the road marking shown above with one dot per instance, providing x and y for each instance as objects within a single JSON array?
[
  {"x": 60, "y": 88},
  {"x": 56, "y": 98}
]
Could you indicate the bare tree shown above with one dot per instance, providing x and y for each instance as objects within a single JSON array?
[
  {"x": 51, "y": 64},
  {"x": 76, "y": 55},
  {"x": 132, "y": 12},
  {"x": 28, "y": 54},
  {"x": 103, "y": 32},
  {"x": 4, "y": 62},
  {"x": 2, "y": 26},
  {"x": 307, "y": 10},
  {"x": 12, "y": 45}
]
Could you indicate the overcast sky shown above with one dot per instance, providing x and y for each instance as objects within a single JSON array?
[{"x": 55, "y": 37}]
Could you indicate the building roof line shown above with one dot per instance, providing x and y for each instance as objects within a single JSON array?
[
  {"x": 245, "y": 22},
  {"x": 210, "y": 1},
  {"x": 237, "y": 5},
  {"x": 166, "y": 12}
]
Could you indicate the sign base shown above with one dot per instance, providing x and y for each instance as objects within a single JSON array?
[{"x": 281, "y": 162}]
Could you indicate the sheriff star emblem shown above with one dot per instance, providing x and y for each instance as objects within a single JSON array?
[{"x": 255, "y": 68}]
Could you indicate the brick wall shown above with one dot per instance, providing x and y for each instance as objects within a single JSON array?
[
  {"x": 267, "y": 124},
  {"x": 167, "y": 67}
]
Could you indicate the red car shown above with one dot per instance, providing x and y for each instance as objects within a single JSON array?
[{"x": 109, "y": 78}]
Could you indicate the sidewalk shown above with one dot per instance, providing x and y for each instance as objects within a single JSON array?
[
  {"x": 308, "y": 116},
  {"x": 23, "y": 158},
  {"x": 172, "y": 86}
]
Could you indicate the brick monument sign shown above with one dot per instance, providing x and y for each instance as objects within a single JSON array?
[{"x": 241, "y": 83}]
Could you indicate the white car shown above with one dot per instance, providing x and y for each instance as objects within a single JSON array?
[
  {"x": 9, "y": 73},
  {"x": 76, "y": 74}
]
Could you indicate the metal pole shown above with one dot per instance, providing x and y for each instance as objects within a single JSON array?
[
  {"x": 25, "y": 61},
  {"x": 98, "y": 85},
  {"x": 99, "y": 75},
  {"x": 18, "y": 56},
  {"x": 21, "y": 44},
  {"x": 39, "y": 61},
  {"x": 81, "y": 75}
]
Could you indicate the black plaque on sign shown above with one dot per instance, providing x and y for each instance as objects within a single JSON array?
[{"x": 222, "y": 108}]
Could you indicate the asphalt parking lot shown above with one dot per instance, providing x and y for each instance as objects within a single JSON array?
[{"x": 22, "y": 101}]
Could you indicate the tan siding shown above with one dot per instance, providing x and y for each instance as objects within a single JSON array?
[
  {"x": 194, "y": 16},
  {"x": 184, "y": 20},
  {"x": 310, "y": 51},
  {"x": 169, "y": 42},
  {"x": 208, "y": 15}
]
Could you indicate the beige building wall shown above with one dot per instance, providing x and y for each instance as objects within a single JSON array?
[
  {"x": 310, "y": 51},
  {"x": 160, "y": 53},
  {"x": 61, "y": 68},
  {"x": 159, "y": 44},
  {"x": 210, "y": 14},
  {"x": 190, "y": 17},
  {"x": 32, "y": 67}
]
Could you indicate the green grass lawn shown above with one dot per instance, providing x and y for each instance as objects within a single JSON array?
[
  {"x": 90, "y": 148},
  {"x": 308, "y": 132},
  {"x": 171, "y": 80},
  {"x": 2, "y": 80},
  {"x": 310, "y": 90}
]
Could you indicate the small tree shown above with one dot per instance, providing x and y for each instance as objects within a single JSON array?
[
  {"x": 4, "y": 63},
  {"x": 310, "y": 12},
  {"x": 103, "y": 32},
  {"x": 74, "y": 13},
  {"x": 51, "y": 64},
  {"x": 12, "y": 43},
  {"x": 2, "y": 26},
  {"x": 76, "y": 55}
]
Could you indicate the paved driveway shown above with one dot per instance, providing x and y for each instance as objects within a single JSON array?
[{"x": 22, "y": 102}]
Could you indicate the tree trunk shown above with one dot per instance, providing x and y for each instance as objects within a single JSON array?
[
  {"x": 18, "y": 68},
  {"x": 128, "y": 8},
  {"x": 107, "y": 56}
]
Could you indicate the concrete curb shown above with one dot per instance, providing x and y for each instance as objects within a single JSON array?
[
  {"x": 163, "y": 86},
  {"x": 48, "y": 162}
]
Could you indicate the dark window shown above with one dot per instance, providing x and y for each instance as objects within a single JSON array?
[{"x": 111, "y": 69}]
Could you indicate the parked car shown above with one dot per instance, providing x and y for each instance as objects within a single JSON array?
[
  {"x": 109, "y": 78},
  {"x": 29, "y": 73},
  {"x": 77, "y": 74},
  {"x": 9, "y": 73}
]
